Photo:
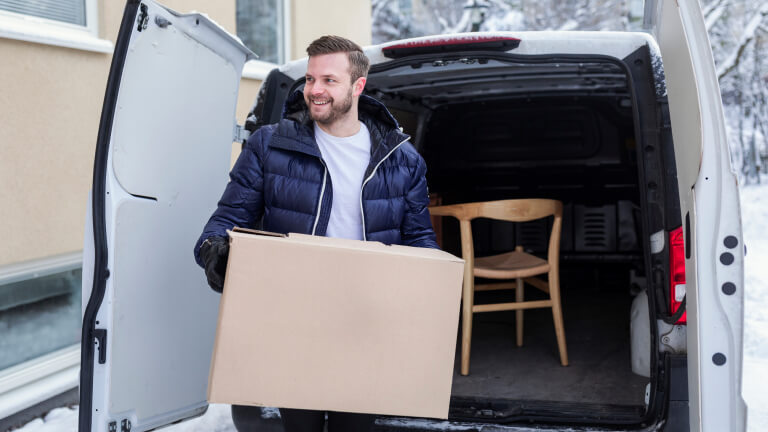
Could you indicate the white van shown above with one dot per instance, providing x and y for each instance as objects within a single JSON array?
[{"x": 634, "y": 146}]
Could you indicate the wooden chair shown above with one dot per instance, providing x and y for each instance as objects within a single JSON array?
[{"x": 516, "y": 265}]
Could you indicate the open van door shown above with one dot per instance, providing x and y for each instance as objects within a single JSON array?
[
  {"x": 709, "y": 196},
  {"x": 162, "y": 158}
]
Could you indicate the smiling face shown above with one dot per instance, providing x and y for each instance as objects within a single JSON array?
[{"x": 329, "y": 91}]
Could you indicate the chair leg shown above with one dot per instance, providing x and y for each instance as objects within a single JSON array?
[
  {"x": 519, "y": 313},
  {"x": 467, "y": 302},
  {"x": 557, "y": 315}
]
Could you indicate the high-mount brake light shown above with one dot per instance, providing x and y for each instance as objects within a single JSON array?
[
  {"x": 677, "y": 272},
  {"x": 451, "y": 44}
]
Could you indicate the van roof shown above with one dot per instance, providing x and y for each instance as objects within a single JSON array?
[{"x": 608, "y": 43}]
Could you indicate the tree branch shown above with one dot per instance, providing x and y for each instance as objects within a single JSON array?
[
  {"x": 708, "y": 9},
  {"x": 711, "y": 18},
  {"x": 746, "y": 38}
]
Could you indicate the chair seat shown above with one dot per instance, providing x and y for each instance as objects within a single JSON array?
[{"x": 510, "y": 265}]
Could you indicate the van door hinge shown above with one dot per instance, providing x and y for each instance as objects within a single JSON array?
[
  {"x": 240, "y": 133},
  {"x": 143, "y": 19},
  {"x": 101, "y": 337},
  {"x": 125, "y": 425},
  {"x": 672, "y": 338}
]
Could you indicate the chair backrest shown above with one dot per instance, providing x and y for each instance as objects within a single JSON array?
[{"x": 513, "y": 210}]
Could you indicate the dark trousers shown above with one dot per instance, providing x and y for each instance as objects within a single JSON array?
[{"x": 299, "y": 420}]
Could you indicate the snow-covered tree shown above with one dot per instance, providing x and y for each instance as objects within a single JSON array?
[
  {"x": 396, "y": 19},
  {"x": 738, "y": 31}
]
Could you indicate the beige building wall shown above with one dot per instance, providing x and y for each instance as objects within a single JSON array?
[
  {"x": 50, "y": 106},
  {"x": 311, "y": 19},
  {"x": 49, "y": 114}
]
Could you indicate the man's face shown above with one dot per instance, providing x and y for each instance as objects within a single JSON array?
[{"x": 329, "y": 92}]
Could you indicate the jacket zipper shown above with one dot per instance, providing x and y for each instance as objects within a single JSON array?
[
  {"x": 373, "y": 173},
  {"x": 322, "y": 192}
]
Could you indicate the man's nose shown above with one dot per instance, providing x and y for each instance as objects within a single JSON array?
[{"x": 317, "y": 88}]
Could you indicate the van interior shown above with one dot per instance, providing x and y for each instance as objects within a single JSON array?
[
  {"x": 508, "y": 128},
  {"x": 588, "y": 131}
]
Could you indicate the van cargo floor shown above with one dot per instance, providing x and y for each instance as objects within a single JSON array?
[{"x": 597, "y": 337}]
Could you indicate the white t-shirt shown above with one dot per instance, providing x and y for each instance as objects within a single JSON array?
[{"x": 347, "y": 159}]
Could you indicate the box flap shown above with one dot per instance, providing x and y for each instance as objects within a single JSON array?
[
  {"x": 255, "y": 232},
  {"x": 330, "y": 242}
]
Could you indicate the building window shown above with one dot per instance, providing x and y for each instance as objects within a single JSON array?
[
  {"x": 65, "y": 23},
  {"x": 261, "y": 26},
  {"x": 67, "y": 11},
  {"x": 40, "y": 308}
]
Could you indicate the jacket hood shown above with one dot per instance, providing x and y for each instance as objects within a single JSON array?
[
  {"x": 383, "y": 127},
  {"x": 295, "y": 108}
]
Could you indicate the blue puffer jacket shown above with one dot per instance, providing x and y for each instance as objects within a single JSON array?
[{"x": 280, "y": 178}]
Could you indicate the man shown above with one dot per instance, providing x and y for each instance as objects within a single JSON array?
[{"x": 336, "y": 165}]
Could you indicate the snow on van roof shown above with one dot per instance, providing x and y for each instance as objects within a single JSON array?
[
  {"x": 609, "y": 43},
  {"x": 215, "y": 25}
]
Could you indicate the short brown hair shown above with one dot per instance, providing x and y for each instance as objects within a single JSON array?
[{"x": 358, "y": 62}]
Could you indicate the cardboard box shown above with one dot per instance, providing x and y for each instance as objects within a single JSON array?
[{"x": 333, "y": 324}]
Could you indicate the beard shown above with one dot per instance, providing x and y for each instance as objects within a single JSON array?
[{"x": 336, "y": 112}]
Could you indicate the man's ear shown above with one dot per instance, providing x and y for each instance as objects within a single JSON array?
[{"x": 358, "y": 86}]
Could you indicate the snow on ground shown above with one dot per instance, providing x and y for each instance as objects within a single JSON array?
[
  {"x": 754, "y": 208},
  {"x": 216, "y": 419},
  {"x": 754, "y": 216}
]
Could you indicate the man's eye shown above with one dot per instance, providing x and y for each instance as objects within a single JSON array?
[
  {"x": 309, "y": 79},
  {"x": 331, "y": 80}
]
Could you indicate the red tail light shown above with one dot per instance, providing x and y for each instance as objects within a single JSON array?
[
  {"x": 451, "y": 44},
  {"x": 677, "y": 271}
]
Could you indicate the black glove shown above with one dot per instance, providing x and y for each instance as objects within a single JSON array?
[{"x": 214, "y": 252}]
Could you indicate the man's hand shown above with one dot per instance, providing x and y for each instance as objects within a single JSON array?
[{"x": 214, "y": 252}]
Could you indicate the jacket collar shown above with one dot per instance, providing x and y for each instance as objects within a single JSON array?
[{"x": 296, "y": 131}]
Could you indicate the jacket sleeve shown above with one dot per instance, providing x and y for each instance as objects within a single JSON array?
[
  {"x": 242, "y": 203},
  {"x": 417, "y": 227}
]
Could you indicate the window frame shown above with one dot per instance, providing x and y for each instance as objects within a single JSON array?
[
  {"x": 32, "y": 381},
  {"x": 36, "y": 380},
  {"x": 259, "y": 69},
  {"x": 46, "y": 31}
]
